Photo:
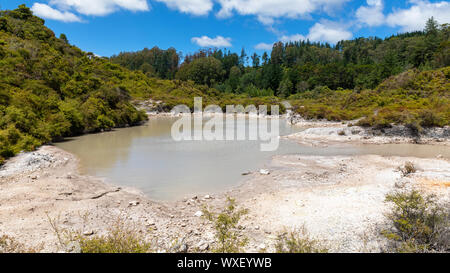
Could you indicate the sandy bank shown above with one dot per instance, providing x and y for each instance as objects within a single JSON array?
[{"x": 339, "y": 199}]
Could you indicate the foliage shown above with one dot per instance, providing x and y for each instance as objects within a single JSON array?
[
  {"x": 50, "y": 89},
  {"x": 226, "y": 226},
  {"x": 417, "y": 223},
  {"x": 414, "y": 98},
  {"x": 295, "y": 67},
  {"x": 408, "y": 169},
  {"x": 9, "y": 244},
  {"x": 119, "y": 239},
  {"x": 298, "y": 242},
  {"x": 153, "y": 62}
]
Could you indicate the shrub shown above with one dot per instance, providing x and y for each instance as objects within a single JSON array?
[
  {"x": 417, "y": 223},
  {"x": 408, "y": 168},
  {"x": 227, "y": 234},
  {"x": 298, "y": 242},
  {"x": 119, "y": 239},
  {"x": 9, "y": 244}
]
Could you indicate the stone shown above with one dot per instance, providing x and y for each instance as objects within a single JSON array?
[
  {"x": 203, "y": 246},
  {"x": 198, "y": 214},
  {"x": 133, "y": 203},
  {"x": 264, "y": 172},
  {"x": 88, "y": 233},
  {"x": 207, "y": 197},
  {"x": 73, "y": 247}
]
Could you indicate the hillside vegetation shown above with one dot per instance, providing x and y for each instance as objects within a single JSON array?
[
  {"x": 300, "y": 66},
  {"x": 50, "y": 89},
  {"x": 419, "y": 99}
]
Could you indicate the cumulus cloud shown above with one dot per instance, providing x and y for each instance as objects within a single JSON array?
[
  {"x": 415, "y": 17},
  {"x": 47, "y": 12},
  {"x": 100, "y": 7},
  {"x": 263, "y": 46},
  {"x": 195, "y": 7},
  {"x": 206, "y": 41},
  {"x": 267, "y": 11},
  {"x": 372, "y": 14},
  {"x": 328, "y": 32}
]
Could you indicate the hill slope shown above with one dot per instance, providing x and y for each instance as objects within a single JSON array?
[{"x": 50, "y": 89}]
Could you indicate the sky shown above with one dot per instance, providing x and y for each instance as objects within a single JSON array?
[{"x": 108, "y": 27}]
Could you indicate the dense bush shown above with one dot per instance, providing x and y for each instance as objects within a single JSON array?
[
  {"x": 50, "y": 89},
  {"x": 414, "y": 98},
  {"x": 417, "y": 223}
]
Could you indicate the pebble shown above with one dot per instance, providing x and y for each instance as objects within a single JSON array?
[
  {"x": 88, "y": 233},
  {"x": 203, "y": 246},
  {"x": 133, "y": 203},
  {"x": 198, "y": 214}
]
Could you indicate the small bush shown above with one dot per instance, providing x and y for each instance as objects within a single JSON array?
[
  {"x": 417, "y": 223},
  {"x": 120, "y": 239},
  {"x": 227, "y": 234},
  {"x": 9, "y": 244},
  {"x": 408, "y": 169},
  {"x": 298, "y": 242}
]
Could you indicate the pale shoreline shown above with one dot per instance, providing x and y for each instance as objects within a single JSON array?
[{"x": 338, "y": 198}]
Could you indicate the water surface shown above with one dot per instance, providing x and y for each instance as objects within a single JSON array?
[{"x": 147, "y": 158}]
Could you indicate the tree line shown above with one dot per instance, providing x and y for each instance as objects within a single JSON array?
[{"x": 296, "y": 67}]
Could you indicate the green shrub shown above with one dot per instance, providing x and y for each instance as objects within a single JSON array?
[
  {"x": 228, "y": 237},
  {"x": 417, "y": 223},
  {"x": 298, "y": 242},
  {"x": 120, "y": 239}
]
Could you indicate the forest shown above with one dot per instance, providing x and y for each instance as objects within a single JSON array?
[
  {"x": 296, "y": 67},
  {"x": 50, "y": 89}
]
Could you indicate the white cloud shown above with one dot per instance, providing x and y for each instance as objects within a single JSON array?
[
  {"x": 47, "y": 12},
  {"x": 328, "y": 32},
  {"x": 372, "y": 14},
  {"x": 205, "y": 41},
  {"x": 196, "y": 7},
  {"x": 268, "y": 10},
  {"x": 415, "y": 17},
  {"x": 263, "y": 46},
  {"x": 100, "y": 7}
]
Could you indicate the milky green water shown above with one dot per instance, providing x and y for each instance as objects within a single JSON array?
[{"x": 147, "y": 158}]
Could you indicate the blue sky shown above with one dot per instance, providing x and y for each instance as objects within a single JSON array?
[{"x": 107, "y": 27}]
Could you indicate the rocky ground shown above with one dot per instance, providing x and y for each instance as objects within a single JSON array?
[
  {"x": 338, "y": 199},
  {"x": 326, "y": 132}
]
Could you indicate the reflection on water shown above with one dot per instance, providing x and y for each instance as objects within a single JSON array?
[{"x": 146, "y": 157}]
